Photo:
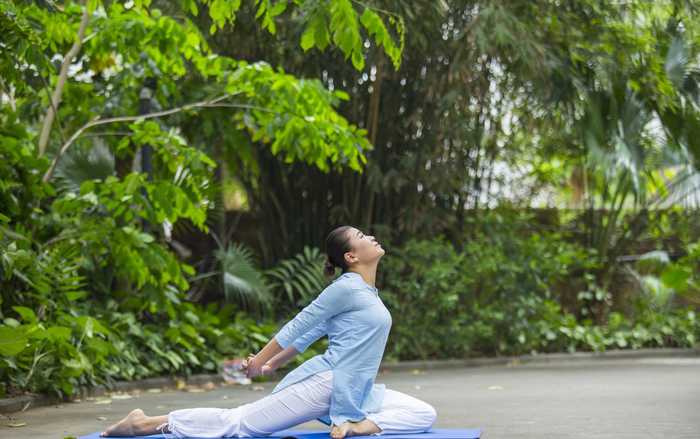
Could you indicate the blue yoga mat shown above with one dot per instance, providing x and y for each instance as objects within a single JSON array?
[{"x": 435, "y": 433}]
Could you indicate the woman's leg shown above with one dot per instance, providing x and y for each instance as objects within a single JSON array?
[
  {"x": 402, "y": 413},
  {"x": 298, "y": 403},
  {"x": 301, "y": 402}
]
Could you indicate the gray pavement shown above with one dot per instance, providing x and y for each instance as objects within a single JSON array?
[{"x": 621, "y": 398}]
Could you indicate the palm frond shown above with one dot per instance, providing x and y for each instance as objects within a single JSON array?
[
  {"x": 655, "y": 292},
  {"x": 242, "y": 282},
  {"x": 682, "y": 189},
  {"x": 677, "y": 62},
  {"x": 300, "y": 278},
  {"x": 81, "y": 165}
]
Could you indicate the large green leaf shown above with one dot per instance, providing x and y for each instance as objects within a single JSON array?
[{"x": 12, "y": 341}]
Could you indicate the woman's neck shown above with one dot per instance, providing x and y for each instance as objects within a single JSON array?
[{"x": 368, "y": 273}]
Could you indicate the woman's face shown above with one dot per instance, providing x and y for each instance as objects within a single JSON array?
[{"x": 364, "y": 248}]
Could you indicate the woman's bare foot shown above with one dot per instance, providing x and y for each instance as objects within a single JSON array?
[
  {"x": 129, "y": 426},
  {"x": 342, "y": 430},
  {"x": 362, "y": 428}
]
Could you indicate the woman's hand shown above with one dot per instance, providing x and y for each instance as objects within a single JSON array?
[
  {"x": 253, "y": 367},
  {"x": 265, "y": 370}
]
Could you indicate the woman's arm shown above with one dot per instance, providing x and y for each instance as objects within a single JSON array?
[
  {"x": 282, "y": 358},
  {"x": 306, "y": 340},
  {"x": 333, "y": 300},
  {"x": 298, "y": 346}
]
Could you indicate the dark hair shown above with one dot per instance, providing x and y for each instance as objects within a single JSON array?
[{"x": 337, "y": 243}]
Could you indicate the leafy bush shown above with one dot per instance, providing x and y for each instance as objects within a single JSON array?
[
  {"x": 501, "y": 295},
  {"x": 103, "y": 346},
  {"x": 682, "y": 275},
  {"x": 89, "y": 292},
  {"x": 450, "y": 303},
  {"x": 544, "y": 327}
]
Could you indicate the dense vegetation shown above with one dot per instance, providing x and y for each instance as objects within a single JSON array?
[{"x": 137, "y": 137}]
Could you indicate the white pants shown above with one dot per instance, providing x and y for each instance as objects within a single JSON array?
[{"x": 295, "y": 404}]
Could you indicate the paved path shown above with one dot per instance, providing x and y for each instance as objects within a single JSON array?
[{"x": 620, "y": 399}]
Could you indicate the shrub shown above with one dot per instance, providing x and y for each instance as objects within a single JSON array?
[{"x": 496, "y": 296}]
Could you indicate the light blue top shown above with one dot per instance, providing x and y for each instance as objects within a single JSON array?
[{"x": 357, "y": 323}]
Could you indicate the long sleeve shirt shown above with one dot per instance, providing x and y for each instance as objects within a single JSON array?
[{"x": 357, "y": 323}]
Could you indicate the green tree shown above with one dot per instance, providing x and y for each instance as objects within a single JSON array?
[{"x": 85, "y": 222}]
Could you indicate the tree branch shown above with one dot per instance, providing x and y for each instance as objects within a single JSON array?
[
  {"x": 55, "y": 98},
  {"x": 53, "y": 108},
  {"x": 97, "y": 121}
]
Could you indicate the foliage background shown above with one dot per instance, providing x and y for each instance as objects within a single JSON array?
[{"x": 168, "y": 171}]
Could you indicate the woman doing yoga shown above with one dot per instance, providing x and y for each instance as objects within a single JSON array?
[{"x": 336, "y": 387}]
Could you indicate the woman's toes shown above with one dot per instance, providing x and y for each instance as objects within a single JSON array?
[
  {"x": 343, "y": 430},
  {"x": 338, "y": 431}
]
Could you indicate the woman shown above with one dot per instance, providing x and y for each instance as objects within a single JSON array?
[{"x": 337, "y": 387}]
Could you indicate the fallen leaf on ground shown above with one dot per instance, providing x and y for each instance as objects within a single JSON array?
[
  {"x": 180, "y": 384},
  {"x": 103, "y": 401},
  {"x": 495, "y": 387},
  {"x": 16, "y": 424},
  {"x": 194, "y": 390},
  {"x": 154, "y": 390},
  {"x": 257, "y": 388},
  {"x": 101, "y": 418},
  {"x": 121, "y": 396}
]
